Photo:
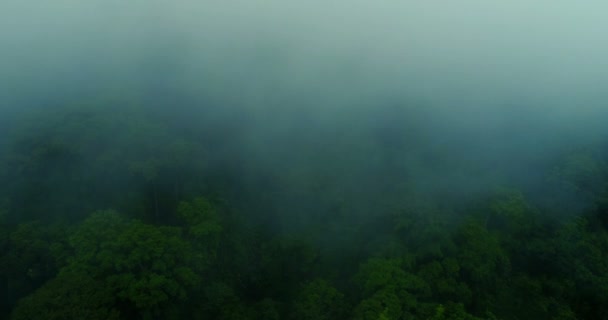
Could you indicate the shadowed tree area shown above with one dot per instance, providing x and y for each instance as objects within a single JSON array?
[{"x": 191, "y": 233}]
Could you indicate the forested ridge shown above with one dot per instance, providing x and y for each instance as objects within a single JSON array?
[{"x": 122, "y": 207}]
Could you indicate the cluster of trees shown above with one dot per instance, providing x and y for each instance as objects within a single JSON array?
[{"x": 127, "y": 213}]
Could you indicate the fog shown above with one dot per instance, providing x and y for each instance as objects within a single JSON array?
[
  {"x": 456, "y": 96},
  {"x": 279, "y": 159},
  {"x": 452, "y": 53}
]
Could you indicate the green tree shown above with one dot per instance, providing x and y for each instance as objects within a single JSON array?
[
  {"x": 144, "y": 269},
  {"x": 147, "y": 266},
  {"x": 318, "y": 300},
  {"x": 483, "y": 263},
  {"x": 452, "y": 311},
  {"x": 69, "y": 296},
  {"x": 34, "y": 253},
  {"x": 389, "y": 290}
]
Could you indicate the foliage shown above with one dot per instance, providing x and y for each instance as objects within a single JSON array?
[
  {"x": 196, "y": 230},
  {"x": 69, "y": 296},
  {"x": 318, "y": 300}
]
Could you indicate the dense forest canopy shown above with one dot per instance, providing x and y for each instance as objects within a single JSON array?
[{"x": 276, "y": 160}]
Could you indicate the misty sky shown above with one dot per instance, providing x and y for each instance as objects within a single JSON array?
[
  {"x": 437, "y": 49},
  {"x": 479, "y": 65}
]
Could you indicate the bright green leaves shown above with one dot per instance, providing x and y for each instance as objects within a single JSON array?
[
  {"x": 139, "y": 265},
  {"x": 384, "y": 304},
  {"x": 378, "y": 273},
  {"x": 452, "y": 311},
  {"x": 144, "y": 264},
  {"x": 390, "y": 290}
]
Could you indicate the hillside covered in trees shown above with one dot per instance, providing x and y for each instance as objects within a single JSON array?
[
  {"x": 113, "y": 210},
  {"x": 303, "y": 160}
]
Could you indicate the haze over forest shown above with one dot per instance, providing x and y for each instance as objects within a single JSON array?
[{"x": 303, "y": 160}]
